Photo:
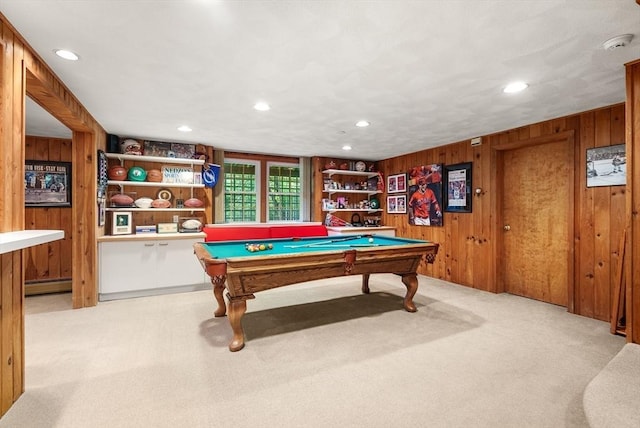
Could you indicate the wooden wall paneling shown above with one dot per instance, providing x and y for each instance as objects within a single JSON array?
[
  {"x": 84, "y": 218},
  {"x": 617, "y": 202},
  {"x": 632, "y": 252},
  {"x": 51, "y": 261},
  {"x": 584, "y": 283},
  {"x": 481, "y": 206},
  {"x": 11, "y": 219},
  {"x": 601, "y": 226}
]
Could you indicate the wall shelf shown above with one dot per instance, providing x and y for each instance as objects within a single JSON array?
[
  {"x": 153, "y": 184},
  {"x": 332, "y": 172},
  {"x": 158, "y": 159}
]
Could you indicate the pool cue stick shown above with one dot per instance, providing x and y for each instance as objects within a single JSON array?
[
  {"x": 346, "y": 245},
  {"x": 331, "y": 241}
]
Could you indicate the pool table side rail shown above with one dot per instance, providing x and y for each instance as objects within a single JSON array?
[{"x": 248, "y": 275}]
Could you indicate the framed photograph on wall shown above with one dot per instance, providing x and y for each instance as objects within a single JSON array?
[
  {"x": 458, "y": 185},
  {"x": 397, "y": 183},
  {"x": 424, "y": 195},
  {"x": 397, "y": 204},
  {"x": 121, "y": 223},
  {"x": 607, "y": 166},
  {"x": 47, "y": 184}
]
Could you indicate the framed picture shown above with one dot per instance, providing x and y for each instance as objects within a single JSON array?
[
  {"x": 121, "y": 223},
  {"x": 102, "y": 212},
  {"x": 457, "y": 179},
  {"x": 397, "y": 204},
  {"x": 47, "y": 184},
  {"x": 607, "y": 166},
  {"x": 424, "y": 197},
  {"x": 397, "y": 183}
]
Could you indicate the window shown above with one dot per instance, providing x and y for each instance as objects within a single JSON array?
[
  {"x": 242, "y": 192},
  {"x": 284, "y": 192}
]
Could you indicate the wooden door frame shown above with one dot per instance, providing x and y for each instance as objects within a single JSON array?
[
  {"x": 38, "y": 84},
  {"x": 497, "y": 159}
]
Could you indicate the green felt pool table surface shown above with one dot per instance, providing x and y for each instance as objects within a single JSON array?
[{"x": 232, "y": 249}]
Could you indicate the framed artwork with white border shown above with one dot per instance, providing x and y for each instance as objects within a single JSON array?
[
  {"x": 397, "y": 204},
  {"x": 397, "y": 183},
  {"x": 121, "y": 223}
]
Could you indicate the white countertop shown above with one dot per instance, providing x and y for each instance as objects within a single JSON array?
[{"x": 13, "y": 241}]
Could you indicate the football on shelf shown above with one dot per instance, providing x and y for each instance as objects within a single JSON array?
[
  {"x": 154, "y": 175},
  {"x": 121, "y": 200},
  {"x": 143, "y": 202},
  {"x": 161, "y": 203},
  {"x": 191, "y": 224},
  {"x": 193, "y": 203},
  {"x": 117, "y": 172}
]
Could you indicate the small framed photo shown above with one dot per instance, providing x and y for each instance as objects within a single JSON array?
[
  {"x": 457, "y": 181},
  {"x": 397, "y": 204},
  {"x": 121, "y": 223},
  {"x": 607, "y": 166},
  {"x": 397, "y": 183}
]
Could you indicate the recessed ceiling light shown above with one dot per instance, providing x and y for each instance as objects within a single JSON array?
[
  {"x": 262, "y": 106},
  {"x": 346, "y": 147},
  {"x": 63, "y": 53},
  {"x": 515, "y": 87},
  {"x": 184, "y": 128},
  {"x": 362, "y": 124}
]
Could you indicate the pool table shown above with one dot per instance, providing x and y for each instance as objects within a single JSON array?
[{"x": 244, "y": 270}]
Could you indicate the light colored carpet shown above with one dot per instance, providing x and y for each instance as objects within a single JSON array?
[
  {"x": 318, "y": 354},
  {"x": 612, "y": 398}
]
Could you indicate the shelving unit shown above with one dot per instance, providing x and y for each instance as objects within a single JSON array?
[
  {"x": 330, "y": 173},
  {"x": 177, "y": 190},
  {"x": 142, "y": 264}
]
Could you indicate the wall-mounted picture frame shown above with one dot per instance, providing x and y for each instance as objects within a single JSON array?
[
  {"x": 606, "y": 166},
  {"x": 424, "y": 193},
  {"x": 397, "y": 204},
  {"x": 458, "y": 185},
  {"x": 121, "y": 223},
  {"x": 47, "y": 184},
  {"x": 397, "y": 183}
]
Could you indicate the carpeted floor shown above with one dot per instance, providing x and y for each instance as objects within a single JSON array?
[{"x": 318, "y": 354}]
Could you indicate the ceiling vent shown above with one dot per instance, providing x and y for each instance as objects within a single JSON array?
[
  {"x": 476, "y": 141},
  {"x": 617, "y": 42}
]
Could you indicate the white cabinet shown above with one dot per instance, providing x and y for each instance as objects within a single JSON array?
[{"x": 157, "y": 265}]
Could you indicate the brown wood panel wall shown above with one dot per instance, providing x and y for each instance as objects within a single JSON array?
[
  {"x": 22, "y": 71},
  {"x": 632, "y": 214},
  {"x": 468, "y": 256},
  {"x": 11, "y": 219},
  {"x": 52, "y": 261}
]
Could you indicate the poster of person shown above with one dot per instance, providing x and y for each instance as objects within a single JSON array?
[
  {"x": 425, "y": 195},
  {"x": 607, "y": 166},
  {"x": 47, "y": 184}
]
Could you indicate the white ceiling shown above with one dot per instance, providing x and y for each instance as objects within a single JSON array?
[{"x": 424, "y": 73}]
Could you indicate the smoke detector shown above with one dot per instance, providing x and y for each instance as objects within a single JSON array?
[{"x": 617, "y": 42}]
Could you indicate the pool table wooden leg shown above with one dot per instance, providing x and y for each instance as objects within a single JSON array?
[
  {"x": 237, "y": 308},
  {"x": 218, "y": 291},
  {"x": 411, "y": 282},
  {"x": 365, "y": 283}
]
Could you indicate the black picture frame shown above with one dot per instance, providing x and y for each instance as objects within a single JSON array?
[
  {"x": 458, "y": 187},
  {"x": 606, "y": 166},
  {"x": 47, "y": 184},
  {"x": 397, "y": 183}
]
